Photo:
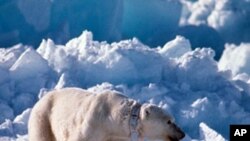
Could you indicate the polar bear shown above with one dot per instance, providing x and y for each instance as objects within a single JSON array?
[{"x": 74, "y": 114}]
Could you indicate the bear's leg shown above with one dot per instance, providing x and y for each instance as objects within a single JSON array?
[
  {"x": 92, "y": 134},
  {"x": 119, "y": 140},
  {"x": 40, "y": 129}
]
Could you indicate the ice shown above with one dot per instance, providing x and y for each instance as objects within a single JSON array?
[
  {"x": 9, "y": 56},
  {"x": 28, "y": 65},
  {"x": 5, "y": 85},
  {"x": 114, "y": 60},
  {"x": 153, "y": 22},
  {"x": 176, "y": 48},
  {"x": 6, "y": 112},
  {"x": 206, "y": 23},
  {"x": 4, "y": 75},
  {"x": 223, "y": 18},
  {"x": 6, "y": 128},
  {"x": 203, "y": 36},
  {"x": 209, "y": 134},
  {"x": 198, "y": 70},
  {"x": 236, "y": 59},
  {"x": 23, "y": 67},
  {"x": 228, "y": 17},
  {"x": 199, "y": 9},
  {"x": 29, "y": 21},
  {"x": 20, "y": 123},
  {"x": 196, "y": 89},
  {"x": 39, "y": 20},
  {"x": 200, "y": 103},
  {"x": 110, "y": 20},
  {"x": 62, "y": 81},
  {"x": 22, "y": 101},
  {"x": 16, "y": 128},
  {"x": 57, "y": 60}
]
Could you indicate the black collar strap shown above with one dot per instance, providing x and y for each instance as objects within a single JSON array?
[{"x": 133, "y": 123}]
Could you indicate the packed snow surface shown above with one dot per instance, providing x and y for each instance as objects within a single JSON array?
[
  {"x": 204, "y": 96},
  {"x": 236, "y": 58}
]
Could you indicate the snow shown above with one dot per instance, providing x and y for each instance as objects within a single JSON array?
[
  {"x": 30, "y": 63},
  {"x": 204, "y": 96},
  {"x": 224, "y": 15},
  {"x": 205, "y": 23},
  {"x": 176, "y": 48},
  {"x": 209, "y": 134},
  {"x": 236, "y": 58},
  {"x": 154, "y": 23}
]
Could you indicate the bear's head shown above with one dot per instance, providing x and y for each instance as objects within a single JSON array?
[{"x": 157, "y": 124}]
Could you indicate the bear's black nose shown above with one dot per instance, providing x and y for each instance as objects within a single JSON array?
[
  {"x": 173, "y": 139},
  {"x": 182, "y": 135}
]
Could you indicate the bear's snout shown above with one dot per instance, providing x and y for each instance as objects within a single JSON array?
[
  {"x": 178, "y": 136},
  {"x": 181, "y": 135},
  {"x": 178, "y": 133}
]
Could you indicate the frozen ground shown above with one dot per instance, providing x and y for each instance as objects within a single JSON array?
[{"x": 204, "y": 95}]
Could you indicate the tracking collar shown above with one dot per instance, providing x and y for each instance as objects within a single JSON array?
[{"x": 133, "y": 122}]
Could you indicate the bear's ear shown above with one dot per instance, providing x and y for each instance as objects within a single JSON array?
[
  {"x": 147, "y": 110},
  {"x": 147, "y": 113}
]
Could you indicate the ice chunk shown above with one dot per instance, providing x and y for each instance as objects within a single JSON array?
[
  {"x": 46, "y": 49},
  {"x": 208, "y": 134},
  {"x": 17, "y": 127},
  {"x": 23, "y": 118},
  {"x": 22, "y": 138},
  {"x": 65, "y": 81},
  {"x": 6, "y": 128},
  {"x": 223, "y": 19},
  {"x": 200, "y": 103},
  {"x": 195, "y": 71},
  {"x": 176, "y": 48},
  {"x": 55, "y": 55},
  {"x": 31, "y": 67},
  {"x": 200, "y": 10},
  {"x": 83, "y": 41},
  {"x": 236, "y": 59},
  {"x": 9, "y": 56},
  {"x": 20, "y": 123},
  {"x": 29, "y": 64}
]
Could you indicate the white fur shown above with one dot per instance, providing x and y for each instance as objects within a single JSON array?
[{"x": 73, "y": 114}]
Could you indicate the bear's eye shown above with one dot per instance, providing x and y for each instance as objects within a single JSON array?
[{"x": 169, "y": 122}]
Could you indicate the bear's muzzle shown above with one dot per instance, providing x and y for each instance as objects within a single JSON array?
[{"x": 178, "y": 133}]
